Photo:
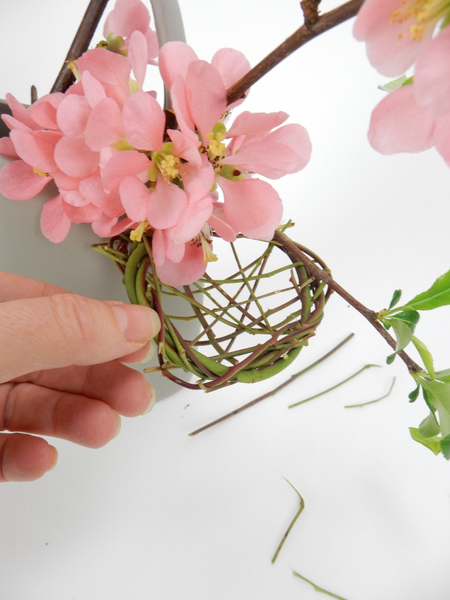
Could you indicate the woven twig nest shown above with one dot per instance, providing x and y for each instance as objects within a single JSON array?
[{"x": 252, "y": 321}]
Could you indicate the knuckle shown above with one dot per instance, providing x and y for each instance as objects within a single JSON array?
[{"x": 75, "y": 321}]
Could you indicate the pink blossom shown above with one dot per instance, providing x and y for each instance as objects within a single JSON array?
[
  {"x": 198, "y": 93},
  {"x": 397, "y": 31},
  {"x": 400, "y": 124}
]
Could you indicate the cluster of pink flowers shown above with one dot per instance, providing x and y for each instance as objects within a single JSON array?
[
  {"x": 400, "y": 34},
  {"x": 106, "y": 146}
]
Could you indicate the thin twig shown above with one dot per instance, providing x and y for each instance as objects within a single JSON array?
[
  {"x": 317, "y": 588},
  {"x": 372, "y": 401},
  {"x": 292, "y": 43},
  {"x": 275, "y": 390},
  {"x": 297, "y": 514},
  {"x": 334, "y": 386},
  {"x": 80, "y": 43}
]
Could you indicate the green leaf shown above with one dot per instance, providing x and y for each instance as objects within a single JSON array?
[
  {"x": 437, "y": 295},
  {"x": 432, "y": 443},
  {"x": 390, "y": 359},
  {"x": 425, "y": 355},
  {"x": 439, "y": 395},
  {"x": 403, "y": 332},
  {"x": 394, "y": 84},
  {"x": 445, "y": 446},
  {"x": 429, "y": 427},
  {"x": 395, "y": 298},
  {"x": 443, "y": 375},
  {"x": 410, "y": 317},
  {"x": 414, "y": 394}
]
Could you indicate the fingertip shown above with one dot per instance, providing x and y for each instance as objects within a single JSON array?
[{"x": 25, "y": 457}]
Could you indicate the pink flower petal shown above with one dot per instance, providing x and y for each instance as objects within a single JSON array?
[
  {"x": 175, "y": 252},
  {"x": 93, "y": 89},
  {"x": 107, "y": 227},
  {"x": 74, "y": 158},
  {"x": 159, "y": 243},
  {"x": 191, "y": 221},
  {"x": 72, "y": 115},
  {"x": 252, "y": 207},
  {"x": 268, "y": 158},
  {"x": 127, "y": 16},
  {"x": 82, "y": 214},
  {"x": 135, "y": 198},
  {"x": 128, "y": 162},
  {"x": 20, "y": 112},
  {"x": 185, "y": 147},
  {"x": 43, "y": 111},
  {"x": 110, "y": 69},
  {"x": 442, "y": 137},
  {"x": 33, "y": 150},
  {"x": 74, "y": 198},
  {"x": 7, "y": 148},
  {"x": 152, "y": 46},
  {"x": 66, "y": 183},
  {"x": 197, "y": 182},
  {"x": 110, "y": 204},
  {"x": 206, "y": 95},
  {"x": 399, "y": 124},
  {"x": 138, "y": 56},
  {"x": 231, "y": 64},
  {"x": 104, "y": 126},
  {"x": 259, "y": 124},
  {"x": 432, "y": 76},
  {"x": 174, "y": 59},
  {"x": 188, "y": 270},
  {"x": 181, "y": 109},
  {"x": 166, "y": 204},
  {"x": 144, "y": 122},
  {"x": 55, "y": 224},
  {"x": 18, "y": 181},
  {"x": 390, "y": 47},
  {"x": 218, "y": 222},
  {"x": 13, "y": 123}
]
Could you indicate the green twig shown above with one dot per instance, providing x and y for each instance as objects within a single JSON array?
[
  {"x": 298, "y": 513},
  {"x": 334, "y": 386},
  {"x": 317, "y": 588},
  {"x": 372, "y": 401},
  {"x": 275, "y": 390}
]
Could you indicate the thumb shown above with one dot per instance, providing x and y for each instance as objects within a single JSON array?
[{"x": 65, "y": 329}]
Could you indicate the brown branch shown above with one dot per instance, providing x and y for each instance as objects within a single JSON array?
[
  {"x": 303, "y": 35},
  {"x": 310, "y": 10},
  {"x": 80, "y": 43},
  {"x": 322, "y": 275}
]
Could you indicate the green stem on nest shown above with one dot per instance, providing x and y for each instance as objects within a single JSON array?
[{"x": 275, "y": 390}]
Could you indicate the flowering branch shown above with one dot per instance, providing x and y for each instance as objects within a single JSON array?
[
  {"x": 80, "y": 43},
  {"x": 322, "y": 275},
  {"x": 303, "y": 35}
]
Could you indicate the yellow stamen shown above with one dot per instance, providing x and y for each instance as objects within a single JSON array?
[
  {"x": 73, "y": 67},
  {"x": 41, "y": 173},
  {"x": 136, "y": 234},
  {"x": 423, "y": 14}
]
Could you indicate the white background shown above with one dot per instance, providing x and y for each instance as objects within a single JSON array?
[{"x": 157, "y": 514}]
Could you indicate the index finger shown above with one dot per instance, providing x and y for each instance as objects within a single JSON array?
[{"x": 15, "y": 287}]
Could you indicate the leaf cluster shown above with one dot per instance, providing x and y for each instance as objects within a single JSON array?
[{"x": 434, "y": 430}]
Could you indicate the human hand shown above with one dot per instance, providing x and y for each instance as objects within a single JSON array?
[{"x": 61, "y": 373}]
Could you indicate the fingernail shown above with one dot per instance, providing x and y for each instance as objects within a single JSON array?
[
  {"x": 150, "y": 354},
  {"x": 152, "y": 401},
  {"x": 55, "y": 460},
  {"x": 137, "y": 323},
  {"x": 119, "y": 425}
]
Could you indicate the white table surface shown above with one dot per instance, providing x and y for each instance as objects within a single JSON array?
[{"x": 157, "y": 514}]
